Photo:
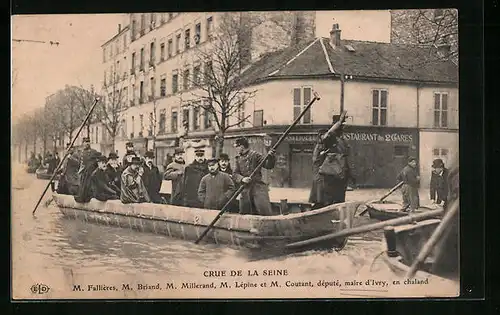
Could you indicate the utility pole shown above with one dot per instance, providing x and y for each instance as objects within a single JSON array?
[{"x": 343, "y": 78}]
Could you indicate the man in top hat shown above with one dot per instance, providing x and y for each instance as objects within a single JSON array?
[
  {"x": 255, "y": 196},
  {"x": 114, "y": 172},
  {"x": 193, "y": 173},
  {"x": 175, "y": 173},
  {"x": 132, "y": 186},
  {"x": 69, "y": 179},
  {"x": 84, "y": 193},
  {"x": 409, "y": 177},
  {"x": 101, "y": 190},
  {"x": 129, "y": 153},
  {"x": 216, "y": 187},
  {"x": 152, "y": 178},
  {"x": 439, "y": 182}
]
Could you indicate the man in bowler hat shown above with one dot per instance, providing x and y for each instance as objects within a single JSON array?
[
  {"x": 175, "y": 173},
  {"x": 132, "y": 186},
  {"x": 152, "y": 178},
  {"x": 129, "y": 153},
  {"x": 439, "y": 182}
]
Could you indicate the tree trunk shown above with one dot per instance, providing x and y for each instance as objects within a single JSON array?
[
  {"x": 44, "y": 143},
  {"x": 34, "y": 145},
  {"x": 26, "y": 150},
  {"x": 113, "y": 143},
  {"x": 88, "y": 130},
  {"x": 219, "y": 148}
]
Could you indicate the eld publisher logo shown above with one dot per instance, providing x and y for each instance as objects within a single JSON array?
[{"x": 39, "y": 288}]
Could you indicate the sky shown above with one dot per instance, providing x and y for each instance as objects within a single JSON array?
[{"x": 39, "y": 69}]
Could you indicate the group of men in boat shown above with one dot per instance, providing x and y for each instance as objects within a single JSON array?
[
  {"x": 50, "y": 161},
  {"x": 205, "y": 183}
]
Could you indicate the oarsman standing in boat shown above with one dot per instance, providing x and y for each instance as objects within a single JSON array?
[
  {"x": 152, "y": 178},
  {"x": 132, "y": 186},
  {"x": 439, "y": 182},
  {"x": 409, "y": 177},
  {"x": 255, "y": 196},
  {"x": 193, "y": 173},
  {"x": 331, "y": 169},
  {"x": 175, "y": 173},
  {"x": 101, "y": 190},
  {"x": 85, "y": 154},
  {"x": 129, "y": 153},
  {"x": 69, "y": 180},
  {"x": 114, "y": 172},
  {"x": 84, "y": 193},
  {"x": 216, "y": 187}
]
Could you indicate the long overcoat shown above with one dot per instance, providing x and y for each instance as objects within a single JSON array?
[
  {"x": 193, "y": 173},
  {"x": 152, "y": 181},
  {"x": 175, "y": 173}
]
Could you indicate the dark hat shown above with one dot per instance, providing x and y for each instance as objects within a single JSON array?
[
  {"x": 437, "y": 163},
  {"x": 241, "y": 141},
  {"x": 199, "y": 151},
  {"x": 112, "y": 155},
  {"x": 149, "y": 154},
  {"x": 178, "y": 150},
  {"x": 136, "y": 160},
  {"x": 224, "y": 156},
  {"x": 102, "y": 158},
  {"x": 129, "y": 144},
  {"x": 411, "y": 158},
  {"x": 212, "y": 161},
  {"x": 86, "y": 139}
]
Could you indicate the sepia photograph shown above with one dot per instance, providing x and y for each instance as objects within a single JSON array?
[{"x": 235, "y": 155}]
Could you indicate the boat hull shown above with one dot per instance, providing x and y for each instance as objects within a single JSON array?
[
  {"x": 384, "y": 211},
  {"x": 248, "y": 231}
]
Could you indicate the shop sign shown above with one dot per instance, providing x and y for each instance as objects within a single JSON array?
[
  {"x": 390, "y": 137},
  {"x": 301, "y": 138}
]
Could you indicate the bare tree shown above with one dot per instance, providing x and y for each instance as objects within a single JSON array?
[
  {"x": 84, "y": 99},
  {"x": 112, "y": 105},
  {"x": 221, "y": 94}
]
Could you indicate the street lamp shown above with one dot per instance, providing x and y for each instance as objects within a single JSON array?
[{"x": 343, "y": 78}]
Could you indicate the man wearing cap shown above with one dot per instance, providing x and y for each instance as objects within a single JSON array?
[
  {"x": 409, "y": 177},
  {"x": 127, "y": 158},
  {"x": 439, "y": 182},
  {"x": 114, "y": 172},
  {"x": 101, "y": 190},
  {"x": 87, "y": 155},
  {"x": 255, "y": 196},
  {"x": 69, "y": 181},
  {"x": 132, "y": 186},
  {"x": 152, "y": 178},
  {"x": 193, "y": 173},
  {"x": 224, "y": 165},
  {"x": 85, "y": 188},
  {"x": 216, "y": 187},
  {"x": 175, "y": 173}
]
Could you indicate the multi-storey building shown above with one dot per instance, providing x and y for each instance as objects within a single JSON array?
[{"x": 390, "y": 105}]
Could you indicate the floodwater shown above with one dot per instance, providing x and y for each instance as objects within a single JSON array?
[{"x": 50, "y": 241}]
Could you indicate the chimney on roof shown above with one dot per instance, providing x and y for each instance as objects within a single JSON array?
[
  {"x": 335, "y": 35},
  {"x": 119, "y": 28}
]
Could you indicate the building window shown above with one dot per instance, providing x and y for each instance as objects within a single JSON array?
[
  {"x": 162, "y": 51},
  {"x": 124, "y": 96},
  {"x": 175, "y": 83},
  {"x": 105, "y": 76},
  {"x": 196, "y": 75},
  {"x": 440, "y": 153},
  {"x": 133, "y": 30},
  {"x": 151, "y": 124},
  {"x": 162, "y": 18},
  {"x": 302, "y": 97},
  {"x": 96, "y": 134},
  {"x": 175, "y": 120},
  {"x": 152, "y": 54},
  {"x": 208, "y": 71},
  {"x": 258, "y": 118},
  {"x": 196, "y": 117},
  {"x": 133, "y": 61},
  {"x": 185, "y": 118},
  {"x": 178, "y": 44},
  {"x": 209, "y": 27},
  {"x": 141, "y": 92},
  {"x": 197, "y": 34},
  {"x": 241, "y": 115},
  {"x": 169, "y": 49},
  {"x": 142, "y": 59},
  {"x": 152, "y": 84},
  {"x": 143, "y": 24},
  {"x": 141, "y": 125},
  {"x": 440, "y": 110},
  {"x": 161, "y": 123},
  {"x": 163, "y": 87},
  {"x": 123, "y": 129},
  {"x": 187, "y": 38},
  {"x": 185, "y": 77},
  {"x": 152, "y": 21},
  {"x": 133, "y": 127},
  {"x": 379, "y": 107},
  {"x": 132, "y": 101},
  {"x": 207, "y": 119}
]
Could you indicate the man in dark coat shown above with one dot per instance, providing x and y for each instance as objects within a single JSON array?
[
  {"x": 84, "y": 193},
  {"x": 132, "y": 186},
  {"x": 114, "y": 172},
  {"x": 216, "y": 187},
  {"x": 193, "y": 173},
  {"x": 175, "y": 173},
  {"x": 409, "y": 177},
  {"x": 57, "y": 158},
  {"x": 101, "y": 190},
  {"x": 51, "y": 164},
  {"x": 439, "y": 182},
  {"x": 330, "y": 188},
  {"x": 255, "y": 196},
  {"x": 152, "y": 178},
  {"x": 86, "y": 154},
  {"x": 129, "y": 153},
  {"x": 225, "y": 166},
  {"x": 69, "y": 179}
]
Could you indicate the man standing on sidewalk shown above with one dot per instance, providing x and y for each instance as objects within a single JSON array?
[
  {"x": 255, "y": 196},
  {"x": 410, "y": 179}
]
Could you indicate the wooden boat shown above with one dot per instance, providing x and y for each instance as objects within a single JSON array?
[
  {"x": 235, "y": 230},
  {"x": 387, "y": 210},
  {"x": 41, "y": 173}
]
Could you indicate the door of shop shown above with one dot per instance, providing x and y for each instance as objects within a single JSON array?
[{"x": 301, "y": 166}]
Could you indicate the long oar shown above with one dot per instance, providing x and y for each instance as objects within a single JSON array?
[
  {"x": 240, "y": 189},
  {"x": 432, "y": 241},
  {"x": 393, "y": 189},
  {"x": 66, "y": 154},
  {"x": 368, "y": 228}
]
